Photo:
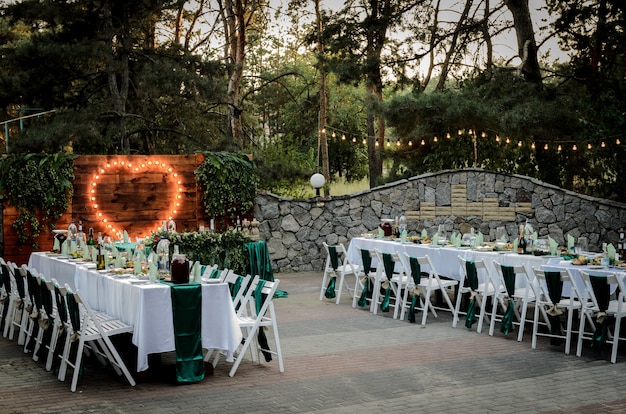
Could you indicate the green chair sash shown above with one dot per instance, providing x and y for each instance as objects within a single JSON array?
[
  {"x": 215, "y": 273},
  {"x": 471, "y": 281},
  {"x": 389, "y": 267},
  {"x": 366, "y": 258},
  {"x": 416, "y": 274},
  {"x": 508, "y": 273},
  {"x": 235, "y": 287},
  {"x": 334, "y": 262},
  {"x": 555, "y": 291},
  {"x": 187, "y": 317},
  {"x": 259, "y": 260},
  {"x": 601, "y": 289},
  {"x": 74, "y": 314}
]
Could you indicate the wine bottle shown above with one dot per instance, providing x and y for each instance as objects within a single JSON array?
[{"x": 90, "y": 239}]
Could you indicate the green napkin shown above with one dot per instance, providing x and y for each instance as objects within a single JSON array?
[
  {"x": 85, "y": 253},
  {"x": 480, "y": 239},
  {"x": 64, "y": 249},
  {"x": 553, "y": 246},
  {"x": 118, "y": 262},
  {"x": 424, "y": 233},
  {"x": 56, "y": 246},
  {"x": 403, "y": 236},
  {"x": 126, "y": 238},
  {"x": 503, "y": 239},
  {"x": 534, "y": 236},
  {"x": 381, "y": 233},
  {"x": 610, "y": 249},
  {"x": 570, "y": 243},
  {"x": 435, "y": 240}
]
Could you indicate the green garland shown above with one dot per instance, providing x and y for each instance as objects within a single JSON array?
[
  {"x": 37, "y": 184},
  {"x": 227, "y": 249},
  {"x": 230, "y": 184}
]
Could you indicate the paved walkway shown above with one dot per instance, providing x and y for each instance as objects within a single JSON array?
[{"x": 344, "y": 360}]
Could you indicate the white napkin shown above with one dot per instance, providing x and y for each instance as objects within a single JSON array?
[
  {"x": 126, "y": 239},
  {"x": 553, "y": 246},
  {"x": 56, "y": 245}
]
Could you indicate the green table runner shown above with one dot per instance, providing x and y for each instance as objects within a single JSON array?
[{"x": 187, "y": 316}]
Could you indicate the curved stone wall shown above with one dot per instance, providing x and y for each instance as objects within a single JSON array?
[{"x": 296, "y": 228}]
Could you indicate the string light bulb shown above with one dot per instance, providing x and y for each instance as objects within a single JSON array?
[
  {"x": 519, "y": 144},
  {"x": 423, "y": 142},
  {"x": 588, "y": 146},
  {"x": 559, "y": 148},
  {"x": 508, "y": 140},
  {"x": 532, "y": 145},
  {"x": 343, "y": 137},
  {"x": 447, "y": 135},
  {"x": 483, "y": 134},
  {"x": 545, "y": 147},
  {"x": 603, "y": 144},
  {"x": 574, "y": 147},
  {"x": 435, "y": 139},
  {"x": 410, "y": 143},
  {"x": 617, "y": 141},
  {"x": 388, "y": 142},
  {"x": 497, "y": 138}
]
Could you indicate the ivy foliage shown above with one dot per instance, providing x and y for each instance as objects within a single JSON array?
[
  {"x": 229, "y": 182},
  {"x": 39, "y": 185},
  {"x": 226, "y": 249}
]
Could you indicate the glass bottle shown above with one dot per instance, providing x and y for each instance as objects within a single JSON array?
[
  {"x": 72, "y": 231},
  {"x": 163, "y": 256},
  {"x": 90, "y": 240}
]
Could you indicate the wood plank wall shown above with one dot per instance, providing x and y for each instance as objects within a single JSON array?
[{"x": 133, "y": 193}]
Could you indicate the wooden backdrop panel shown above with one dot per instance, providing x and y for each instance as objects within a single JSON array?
[{"x": 113, "y": 193}]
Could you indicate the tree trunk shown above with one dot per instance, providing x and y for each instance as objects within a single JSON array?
[
  {"x": 527, "y": 48},
  {"x": 236, "y": 39},
  {"x": 118, "y": 80},
  {"x": 323, "y": 144}
]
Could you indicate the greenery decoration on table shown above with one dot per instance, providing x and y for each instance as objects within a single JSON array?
[
  {"x": 230, "y": 184},
  {"x": 224, "y": 249},
  {"x": 37, "y": 183}
]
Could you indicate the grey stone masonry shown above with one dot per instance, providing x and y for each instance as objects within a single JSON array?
[{"x": 295, "y": 228}]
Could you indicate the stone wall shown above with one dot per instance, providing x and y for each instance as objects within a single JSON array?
[{"x": 296, "y": 228}]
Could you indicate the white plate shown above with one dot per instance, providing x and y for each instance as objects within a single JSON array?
[
  {"x": 138, "y": 281},
  {"x": 211, "y": 281},
  {"x": 596, "y": 267}
]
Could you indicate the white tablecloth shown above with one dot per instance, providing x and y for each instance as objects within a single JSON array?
[
  {"x": 558, "y": 264},
  {"x": 445, "y": 259},
  {"x": 147, "y": 307}
]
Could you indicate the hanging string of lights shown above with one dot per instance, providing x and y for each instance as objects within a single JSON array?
[{"x": 337, "y": 133}]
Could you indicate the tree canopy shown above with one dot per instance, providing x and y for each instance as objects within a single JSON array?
[{"x": 409, "y": 86}]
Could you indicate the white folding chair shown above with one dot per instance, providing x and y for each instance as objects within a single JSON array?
[
  {"x": 369, "y": 271},
  {"x": 521, "y": 296},
  {"x": 434, "y": 283},
  {"x": 87, "y": 329},
  {"x": 338, "y": 266},
  {"x": 238, "y": 285},
  {"x": 390, "y": 278},
  {"x": 548, "y": 304},
  {"x": 19, "y": 312},
  {"x": 33, "y": 282},
  {"x": 599, "y": 307},
  {"x": 256, "y": 313},
  {"x": 485, "y": 287}
]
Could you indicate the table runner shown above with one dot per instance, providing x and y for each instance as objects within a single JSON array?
[{"x": 187, "y": 316}]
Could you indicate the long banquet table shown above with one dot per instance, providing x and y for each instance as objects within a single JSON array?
[
  {"x": 145, "y": 306},
  {"x": 445, "y": 258}
]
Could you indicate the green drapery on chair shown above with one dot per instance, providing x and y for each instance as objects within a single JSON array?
[
  {"x": 555, "y": 291},
  {"x": 471, "y": 281},
  {"x": 389, "y": 267},
  {"x": 259, "y": 298},
  {"x": 187, "y": 317},
  {"x": 334, "y": 262},
  {"x": 416, "y": 274},
  {"x": 366, "y": 258},
  {"x": 601, "y": 289},
  {"x": 259, "y": 263},
  {"x": 74, "y": 314},
  {"x": 508, "y": 273}
]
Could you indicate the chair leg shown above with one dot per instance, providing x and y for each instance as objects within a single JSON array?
[
  {"x": 339, "y": 288},
  {"x": 581, "y": 333},
  {"x": 324, "y": 283},
  {"x": 77, "y": 362},
  {"x": 457, "y": 307},
  {"x": 568, "y": 331},
  {"x": 535, "y": 326},
  {"x": 618, "y": 322}
]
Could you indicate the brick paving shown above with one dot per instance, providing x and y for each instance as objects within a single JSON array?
[{"x": 343, "y": 360}]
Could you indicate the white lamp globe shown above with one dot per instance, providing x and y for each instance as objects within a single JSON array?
[{"x": 317, "y": 181}]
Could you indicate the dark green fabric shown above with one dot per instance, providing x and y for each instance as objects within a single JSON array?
[
  {"x": 389, "y": 267},
  {"x": 366, "y": 258},
  {"x": 508, "y": 273},
  {"x": 555, "y": 291},
  {"x": 215, "y": 273},
  {"x": 334, "y": 262},
  {"x": 416, "y": 274},
  {"x": 259, "y": 298},
  {"x": 601, "y": 289},
  {"x": 74, "y": 314},
  {"x": 471, "y": 281},
  {"x": 234, "y": 287},
  {"x": 62, "y": 311},
  {"x": 187, "y": 317},
  {"x": 259, "y": 260}
]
